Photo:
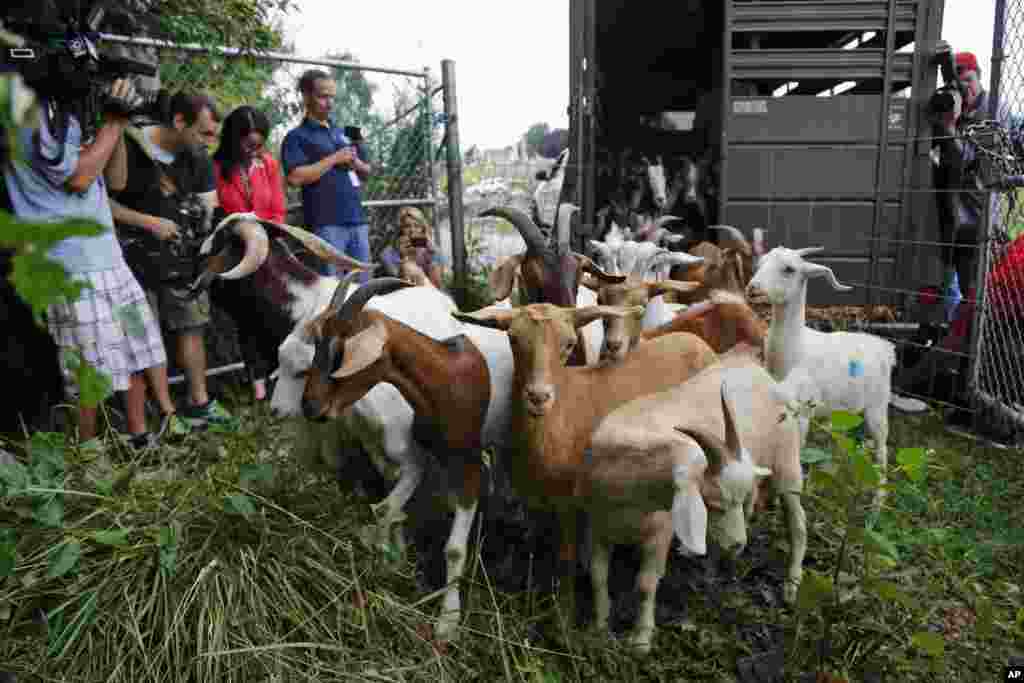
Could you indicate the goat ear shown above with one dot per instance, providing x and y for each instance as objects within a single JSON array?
[
  {"x": 362, "y": 350},
  {"x": 503, "y": 277},
  {"x": 590, "y": 282},
  {"x": 496, "y": 318},
  {"x": 588, "y": 314},
  {"x": 689, "y": 515},
  {"x": 821, "y": 270},
  {"x": 664, "y": 286},
  {"x": 695, "y": 311}
]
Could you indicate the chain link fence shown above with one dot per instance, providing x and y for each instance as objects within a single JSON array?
[
  {"x": 998, "y": 372},
  {"x": 395, "y": 110}
]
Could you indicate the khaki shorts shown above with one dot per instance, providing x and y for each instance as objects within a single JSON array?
[{"x": 177, "y": 313}]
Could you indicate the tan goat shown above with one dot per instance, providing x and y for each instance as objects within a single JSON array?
[
  {"x": 722, "y": 321},
  {"x": 727, "y": 266},
  {"x": 678, "y": 457},
  {"x": 555, "y": 408}
]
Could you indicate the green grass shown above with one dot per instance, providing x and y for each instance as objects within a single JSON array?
[{"x": 285, "y": 591}]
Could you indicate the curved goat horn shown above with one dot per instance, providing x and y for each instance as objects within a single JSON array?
[
  {"x": 732, "y": 232},
  {"x": 341, "y": 290},
  {"x": 819, "y": 270},
  {"x": 376, "y": 287},
  {"x": 665, "y": 219},
  {"x": 257, "y": 246},
  {"x": 563, "y": 225},
  {"x": 527, "y": 228},
  {"x": 808, "y": 250},
  {"x": 715, "y": 450},
  {"x": 322, "y": 248}
]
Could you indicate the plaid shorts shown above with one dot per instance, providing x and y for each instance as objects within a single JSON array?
[{"x": 111, "y": 325}]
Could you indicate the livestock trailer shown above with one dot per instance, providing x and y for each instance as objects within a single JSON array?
[{"x": 812, "y": 112}]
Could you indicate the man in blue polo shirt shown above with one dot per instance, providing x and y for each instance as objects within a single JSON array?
[{"x": 319, "y": 158}]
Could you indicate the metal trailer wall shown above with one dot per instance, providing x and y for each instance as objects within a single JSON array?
[{"x": 807, "y": 168}]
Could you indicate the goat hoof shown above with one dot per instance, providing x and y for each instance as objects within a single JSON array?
[
  {"x": 641, "y": 643},
  {"x": 789, "y": 592},
  {"x": 447, "y": 628}
]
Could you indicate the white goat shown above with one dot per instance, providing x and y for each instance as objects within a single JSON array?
[{"x": 848, "y": 371}]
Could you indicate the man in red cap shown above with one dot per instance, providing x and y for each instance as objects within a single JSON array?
[{"x": 960, "y": 195}]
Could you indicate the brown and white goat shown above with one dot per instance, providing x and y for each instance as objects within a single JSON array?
[
  {"x": 682, "y": 459},
  {"x": 555, "y": 408},
  {"x": 459, "y": 390},
  {"x": 549, "y": 272}
]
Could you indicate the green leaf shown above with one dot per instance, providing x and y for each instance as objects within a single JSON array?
[
  {"x": 42, "y": 282},
  {"x": 64, "y": 560},
  {"x": 15, "y": 476},
  {"x": 8, "y": 552},
  {"x": 986, "y": 618},
  {"x": 864, "y": 471},
  {"x": 48, "y": 447},
  {"x": 111, "y": 536},
  {"x": 912, "y": 461},
  {"x": 93, "y": 386},
  {"x": 845, "y": 443},
  {"x": 890, "y": 592},
  {"x": 815, "y": 591},
  {"x": 168, "y": 543},
  {"x": 131, "y": 320},
  {"x": 930, "y": 643},
  {"x": 262, "y": 472},
  {"x": 811, "y": 455},
  {"x": 843, "y": 421},
  {"x": 105, "y": 486},
  {"x": 880, "y": 544},
  {"x": 51, "y": 512},
  {"x": 66, "y": 637},
  {"x": 239, "y": 504}
]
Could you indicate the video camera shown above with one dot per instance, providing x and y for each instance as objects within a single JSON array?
[
  {"x": 951, "y": 94},
  {"x": 59, "y": 57}
]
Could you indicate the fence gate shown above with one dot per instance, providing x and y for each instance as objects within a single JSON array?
[{"x": 393, "y": 107}]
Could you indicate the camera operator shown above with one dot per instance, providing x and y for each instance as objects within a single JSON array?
[
  {"x": 960, "y": 196},
  {"x": 170, "y": 175},
  {"x": 58, "y": 176}
]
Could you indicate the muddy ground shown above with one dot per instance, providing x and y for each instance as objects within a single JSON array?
[{"x": 510, "y": 534}]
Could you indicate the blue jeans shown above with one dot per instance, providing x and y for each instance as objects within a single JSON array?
[{"x": 353, "y": 240}]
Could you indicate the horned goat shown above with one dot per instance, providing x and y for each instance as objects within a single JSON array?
[
  {"x": 681, "y": 458},
  {"x": 274, "y": 296},
  {"x": 643, "y": 259},
  {"x": 728, "y": 266},
  {"x": 555, "y": 408},
  {"x": 550, "y": 273},
  {"x": 458, "y": 387},
  {"x": 845, "y": 370}
]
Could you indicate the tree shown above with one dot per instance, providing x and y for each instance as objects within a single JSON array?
[{"x": 535, "y": 137}]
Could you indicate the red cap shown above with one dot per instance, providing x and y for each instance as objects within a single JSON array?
[{"x": 966, "y": 61}]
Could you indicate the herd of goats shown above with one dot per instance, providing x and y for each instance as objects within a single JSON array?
[{"x": 659, "y": 406}]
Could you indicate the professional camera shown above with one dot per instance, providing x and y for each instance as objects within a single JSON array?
[
  {"x": 59, "y": 56},
  {"x": 951, "y": 94}
]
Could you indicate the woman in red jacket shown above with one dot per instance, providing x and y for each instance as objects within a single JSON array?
[{"x": 249, "y": 181}]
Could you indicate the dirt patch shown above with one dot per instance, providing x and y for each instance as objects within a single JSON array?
[{"x": 836, "y": 314}]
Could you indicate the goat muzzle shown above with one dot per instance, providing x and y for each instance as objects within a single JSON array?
[
  {"x": 539, "y": 399},
  {"x": 755, "y": 295}
]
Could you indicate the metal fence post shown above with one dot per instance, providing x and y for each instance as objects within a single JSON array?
[
  {"x": 454, "y": 182},
  {"x": 429, "y": 104}
]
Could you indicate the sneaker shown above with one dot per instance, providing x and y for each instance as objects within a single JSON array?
[
  {"x": 143, "y": 442},
  {"x": 213, "y": 413},
  {"x": 172, "y": 427}
]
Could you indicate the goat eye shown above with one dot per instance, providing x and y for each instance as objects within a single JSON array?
[{"x": 789, "y": 270}]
